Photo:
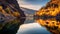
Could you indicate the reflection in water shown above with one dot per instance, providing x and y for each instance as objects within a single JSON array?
[
  {"x": 52, "y": 23},
  {"x": 49, "y": 16},
  {"x": 32, "y": 28},
  {"x": 11, "y": 27},
  {"x": 29, "y": 19}
]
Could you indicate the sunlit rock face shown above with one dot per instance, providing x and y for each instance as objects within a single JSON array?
[
  {"x": 49, "y": 16},
  {"x": 10, "y": 16}
]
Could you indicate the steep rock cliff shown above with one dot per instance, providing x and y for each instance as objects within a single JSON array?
[{"x": 10, "y": 16}]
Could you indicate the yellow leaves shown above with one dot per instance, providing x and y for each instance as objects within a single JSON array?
[
  {"x": 40, "y": 21},
  {"x": 16, "y": 14},
  {"x": 48, "y": 22},
  {"x": 50, "y": 11},
  {"x": 8, "y": 11},
  {"x": 2, "y": 10},
  {"x": 1, "y": 7}
]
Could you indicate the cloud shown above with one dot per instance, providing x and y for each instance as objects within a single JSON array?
[
  {"x": 32, "y": 4},
  {"x": 32, "y": 1},
  {"x": 34, "y": 7},
  {"x": 27, "y": 5}
]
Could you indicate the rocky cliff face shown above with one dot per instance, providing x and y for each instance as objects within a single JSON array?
[
  {"x": 10, "y": 16},
  {"x": 49, "y": 16}
]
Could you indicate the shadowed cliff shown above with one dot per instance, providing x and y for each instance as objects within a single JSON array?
[{"x": 10, "y": 16}]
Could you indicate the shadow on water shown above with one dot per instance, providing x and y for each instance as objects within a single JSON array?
[{"x": 11, "y": 27}]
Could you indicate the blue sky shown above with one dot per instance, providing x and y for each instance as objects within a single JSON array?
[{"x": 32, "y": 4}]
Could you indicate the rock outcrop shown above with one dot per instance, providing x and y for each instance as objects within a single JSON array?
[{"x": 10, "y": 16}]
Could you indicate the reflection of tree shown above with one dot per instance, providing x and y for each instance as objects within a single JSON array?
[
  {"x": 53, "y": 30},
  {"x": 58, "y": 17},
  {"x": 49, "y": 16}
]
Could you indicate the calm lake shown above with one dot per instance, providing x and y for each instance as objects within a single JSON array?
[{"x": 31, "y": 27}]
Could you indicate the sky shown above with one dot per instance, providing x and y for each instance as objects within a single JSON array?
[{"x": 32, "y": 4}]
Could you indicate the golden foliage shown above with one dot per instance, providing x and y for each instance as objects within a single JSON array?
[
  {"x": 16, "y": 14},
  {"x": 8, "y": 11},
  {"x": 52, "y": 8}
]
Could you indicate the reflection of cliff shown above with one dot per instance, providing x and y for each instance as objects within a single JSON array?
[
  {"x": 49, "y": 16},
  {"x": 29, "y": 14},
  {"x": 10, "y": 16}
]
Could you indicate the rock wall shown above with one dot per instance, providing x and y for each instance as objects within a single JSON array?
[{"x": 10, "y": 16}]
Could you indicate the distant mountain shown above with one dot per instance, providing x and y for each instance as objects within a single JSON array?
[{"x": 28, "y": 11}]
